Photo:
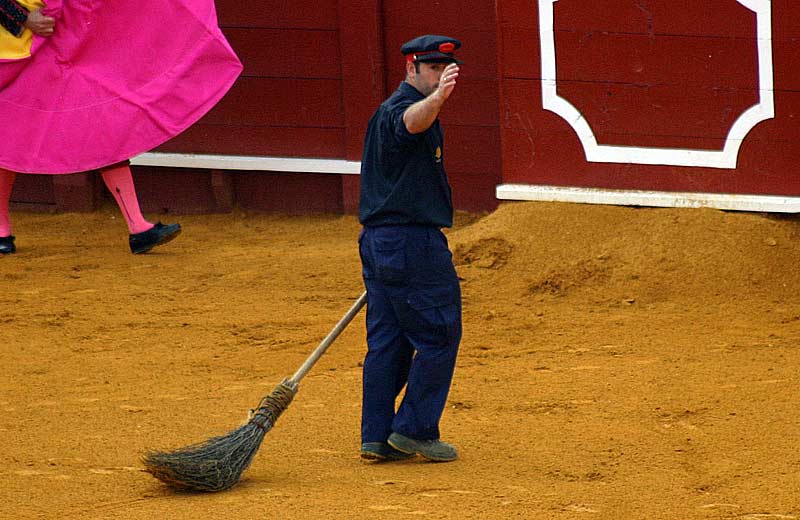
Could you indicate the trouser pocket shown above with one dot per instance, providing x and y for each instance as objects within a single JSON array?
[
  {"x": 434, "y": 315},
  {"x": 388, "y": 247}
]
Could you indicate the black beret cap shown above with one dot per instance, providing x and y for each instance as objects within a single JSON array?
[{"x": 431, "y": 48}]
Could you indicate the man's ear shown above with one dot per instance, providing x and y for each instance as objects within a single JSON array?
[{"x": 410, "y": 70}]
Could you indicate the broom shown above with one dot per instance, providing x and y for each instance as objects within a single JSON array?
[{"x": 219, "y": 462}]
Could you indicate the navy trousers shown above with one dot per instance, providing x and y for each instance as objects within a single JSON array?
[{"x": 413, "y": 330}]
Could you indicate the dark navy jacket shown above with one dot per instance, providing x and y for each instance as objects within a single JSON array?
[{"x": 402, "y": 175}]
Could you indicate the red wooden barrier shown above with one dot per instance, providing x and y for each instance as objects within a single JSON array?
[
  {"x": 658, "y": 75},
  {"x": 661, "y": 77}
]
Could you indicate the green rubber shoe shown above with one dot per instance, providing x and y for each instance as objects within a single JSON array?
[
  {"x": 382, "y": 451},
  {"x": 434, "y": 450}
]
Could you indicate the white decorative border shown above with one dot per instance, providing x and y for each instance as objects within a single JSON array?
[
  {"x": 247, "y": 162},
  {"x": 726, "y": 158},
  {"x": 663, "y": 199}
]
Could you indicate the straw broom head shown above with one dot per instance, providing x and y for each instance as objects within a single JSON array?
[{"x": 219, "y": 462}]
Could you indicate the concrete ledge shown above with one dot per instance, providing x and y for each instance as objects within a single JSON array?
[
  {"x": 663, "y": 199},
  {"x": 250, "y": 163}
]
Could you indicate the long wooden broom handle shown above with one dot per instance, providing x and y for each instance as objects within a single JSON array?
[{"x": 332, "y": 335}]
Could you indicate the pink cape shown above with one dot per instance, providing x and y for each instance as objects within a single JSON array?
[{"x": 111, "y": 83}]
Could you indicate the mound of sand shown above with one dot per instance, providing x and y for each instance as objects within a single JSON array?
[{"x": 623, "y": 253}]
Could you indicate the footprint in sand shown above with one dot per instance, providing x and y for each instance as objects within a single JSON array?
[
  {"x": 580, "y": 509},
  {"x": 768, "y": 516},
  {"x": 324, "y": 451},
  {"x": 390, "y": 482},
  {"x": 720, "y": 506},
  {"x": 29, "y": 473},
  {"x": 135, "y": 409},
  {"x": 388, "y": 508},
  {"x": 111, "y": 471},
  {"x": 85, "y": 400}
]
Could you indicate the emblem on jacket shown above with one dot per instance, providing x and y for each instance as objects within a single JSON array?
[{"x": 438, "y": 154}]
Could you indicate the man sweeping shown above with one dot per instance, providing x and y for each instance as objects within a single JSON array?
[{"x": 413, "y": 293}]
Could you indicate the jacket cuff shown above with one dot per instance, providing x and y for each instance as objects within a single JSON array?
[{"x": 13, "y": 17}]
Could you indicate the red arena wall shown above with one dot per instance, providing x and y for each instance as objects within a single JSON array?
[
  {"x": 557, "y": 100},
  {"x": 675, "y": 96},
  {"x": 288, "y": 100}
]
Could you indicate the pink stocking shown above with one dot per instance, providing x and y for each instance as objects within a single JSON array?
[
  {"x": 6, "y": 185},
  {"x": 119, "y": 182}
]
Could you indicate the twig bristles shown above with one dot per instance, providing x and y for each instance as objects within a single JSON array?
[{"x": 219, "y": 462}]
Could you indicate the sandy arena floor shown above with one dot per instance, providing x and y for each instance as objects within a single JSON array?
[{"x": 617, "y": 363}]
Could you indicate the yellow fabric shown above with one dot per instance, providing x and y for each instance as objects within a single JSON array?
[{"x": 13, "y": 48}]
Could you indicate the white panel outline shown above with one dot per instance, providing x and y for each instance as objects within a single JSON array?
[
  {"x": 662, "y": 199},
  {"x": 726, "y": 158},
  {"x": 247, "y": 162}
]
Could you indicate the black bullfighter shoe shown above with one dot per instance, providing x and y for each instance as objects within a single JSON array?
[
  {"x": 155, "y": 236},
  {"x": 7, "y": 245}
]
